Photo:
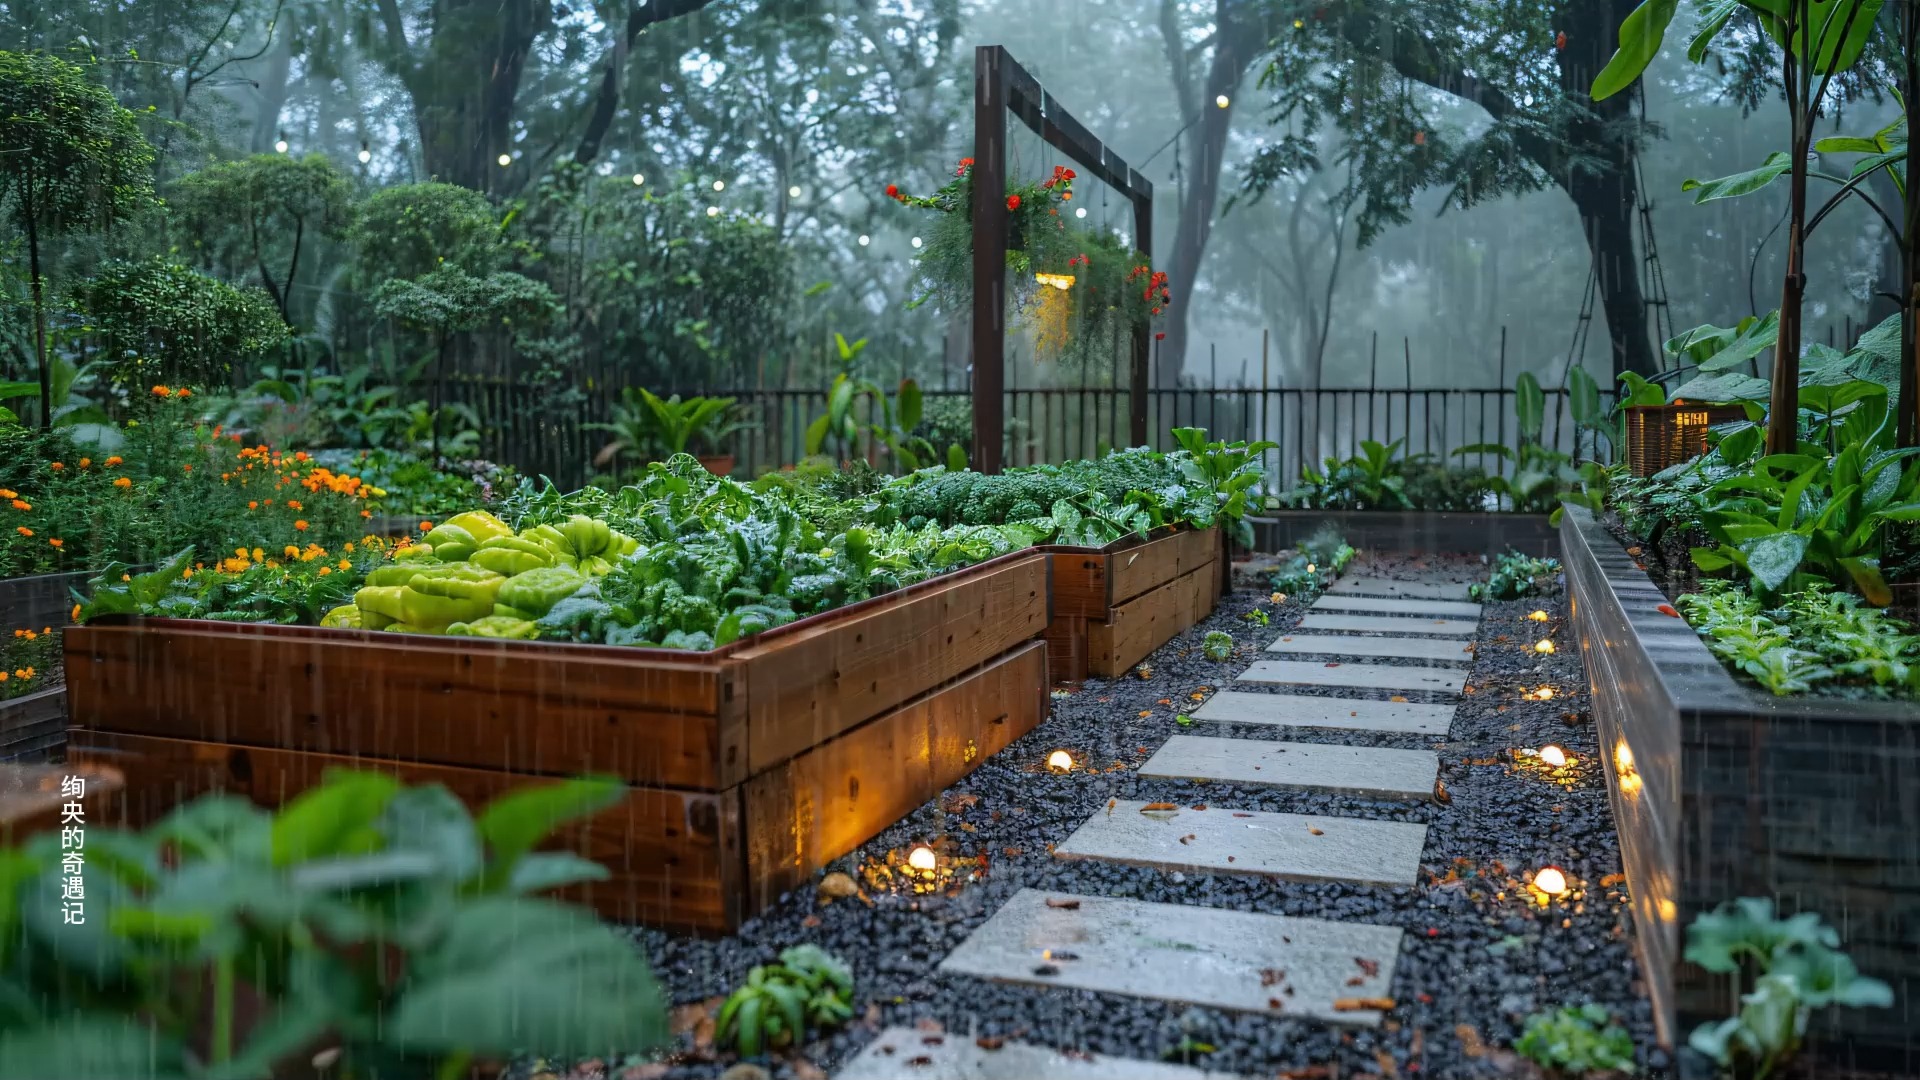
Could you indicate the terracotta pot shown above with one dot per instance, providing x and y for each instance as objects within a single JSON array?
[{"x": 720, "y": 465}]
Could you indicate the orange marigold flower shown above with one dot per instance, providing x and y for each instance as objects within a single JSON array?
[
  {"x": 76, "y": 613},
  {"x": 347, "y": 547},
  {"x": 293, "y": 504},
  {"x": 366, "y": 513},
  {"x": 160, "y": 391},
  {"x": 253, "y": 504},
  {"x": 346, "y": 564},
  {"x": 187, "y": 573},
  {"x": 188, "y": 468},
  {"x": 183, "y": 392},
  {"x": 85, "y": 462},
  {"x": 57, "y": 542},
  {"x": 8, "y": 493},
  {"x": 426, "y": 526},
  {"x": 325, "y": 570},
  {"x": 23, "y": 530},
  {"x": 114, "y": 460},
  {"x": 291, "y": 551},
  {"x": 224, "y": 477},
  {"x": 3, "y": 676},
  {"x": 122, "y": 482},
  {"x": 22, "y": 504},
  {"x": 24, "y": 673},
  {"x": 258, "y": 554},
  {"x": 57, "y": 466},
  {"x": 301, "y": 525}
]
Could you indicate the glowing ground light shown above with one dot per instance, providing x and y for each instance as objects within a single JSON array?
[
  {"x": 1060, "y": 760},
  {"x": 1543, "y": 646},
  {"x": 638, "y": 179},
  {"x": 1551, "y": 881},
  {"x": 1624, "y": 770},
  {"x": 921, "y": 858},
  {"x": 1553, "y": 756},
  {"x": 1538, "y": 616}
]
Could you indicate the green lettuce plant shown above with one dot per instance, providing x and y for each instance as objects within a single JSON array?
[
  {"x": 381, "y": 921},
  {"x": 808, "y": 988},
  {"x": 1795, "y": 967},
  {"x": 1217, "y": 645},
  {"x": 1516, "y": 575}
]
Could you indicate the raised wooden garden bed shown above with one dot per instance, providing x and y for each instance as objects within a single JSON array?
[
  {"x": 32, "y": 798},
  {"x": 1114, "y": 605},
  {"x": 35, "y": 725},
  {"x": 749, "y": 767},
  {"x": 1410, "y": 531},
  {"x": 1721, "y": 791}
]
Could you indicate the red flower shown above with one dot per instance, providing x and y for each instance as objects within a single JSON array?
[
  {"x": 1160, "y": 336},
  {"x": 893, "y": 191},
  {"x": 1013, "y": 202},
  {"x": 1560, "y": 41}
]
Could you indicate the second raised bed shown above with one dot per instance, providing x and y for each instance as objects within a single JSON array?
[{"x": 1114, "y": 605}]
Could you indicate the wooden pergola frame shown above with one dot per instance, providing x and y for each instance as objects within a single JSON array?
[{"x": 1000, "y": 86}]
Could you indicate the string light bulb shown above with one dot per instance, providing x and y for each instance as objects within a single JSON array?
[
  {"x": 504, "y": 160},
  {"x": 638, "y": 179},
  {"x": 280, "y": 147},
  {"x": 916, "y": 241},
  {"x": 793, "y": 192},
  {"x": 865, "y": 239},
  {"x": 1222, "y": 101},
  {"x": 719, "y": 185},
  {"x": 713, "y": 211},
  {"x": 366, "y": 155},
  {"x": 1063, "y": 282},
  {"x": 1079, "y": 211}
]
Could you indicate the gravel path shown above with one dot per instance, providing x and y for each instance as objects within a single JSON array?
[{"x": 1479, "y": 955}]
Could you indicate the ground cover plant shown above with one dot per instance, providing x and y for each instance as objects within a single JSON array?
[
  {"x": 1816, "y": 639},
  {"x": 1577, "y": 1040},
  {"x": 1516, "y": 575},
  {"x": 1381, "y": 477}
]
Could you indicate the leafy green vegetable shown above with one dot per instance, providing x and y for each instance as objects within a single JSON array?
[
  {"x": 1577, "y": 1039},
  {"x": 1516, "y": 575},
  {"x": 779, "y": 1002},
  {"x": 1217, "y": 645}
]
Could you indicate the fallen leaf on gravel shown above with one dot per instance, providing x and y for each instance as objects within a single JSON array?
[
  {"x": 1199, "y": 806},
  {"x": 1470, "y": 1043},
  {"x": 1316, "y": 832},
  {"x": 1398, "y": 697},
  {"x": 1379, "y": 1004},
  {"x": 1371, "y": 967},
  {"x": 810, "y": 921},
  {"x": 927, "y": 1025},
  {"x": 1110, "y": 805},
  {"x": 1013, "y": 852},
  {"x": 920, "y": 1062},
  {"x": 1146, "y": 712},
  {"x": 1633, "y": 551},
  {"x": 1166, "y": 701},
  {"x": 1667, "y": 609},
  {"x": 1440, "y": 793},
  {"x": 1356, "y": 981},
  {"x": 807, "y": 1070},
  {"x": 956, "y": 804},
  {"x": 989, "y": 1042},
  {"x": 1189, "y": 836},
  {"x": 1387, "y": 1066},
  {"x": 1063, "y": 905},
  {"x": 1158, "y": 806},
  {"x": 1238, "y": 813},
  {"x": 1270, "y": 976},
  {"x": 872, "y": 1018},
  {"x": 1333, "y": 663},
  {"x": 969, "y": 828},
  {"x": 1308, "y": 1072},
  {"x": 1198, "y": 695},
  {"x": 1610, "y": 880}
]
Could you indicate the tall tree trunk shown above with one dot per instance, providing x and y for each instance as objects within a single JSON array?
[
  {"x": 1233, "y": 52},
  {"x": 1606, "y": 195},
  {"x": 1607, "y": 205},
  {"x": 1783, "y": 417},
  {"x": 1909, "y": 423},
  {"x": 272, "y": 88},
  {"x": 606, "y": 96},
  {"x": 463, "y": 94},
  {"x": 39, "y": 315}
]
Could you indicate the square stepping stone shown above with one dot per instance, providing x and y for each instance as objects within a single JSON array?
[
  {"x": 1290, "y": 710},
  {"x": 1430, "y": 649},
  {"x": 1356, "y": 770},
  {"x": 902, "y": 1052},
  {"x": 1246, "y": 961},
  {"x": 1388, "y": 624},
  {"x": 1360, "y": 676},
  {"x": 1222, "y": 840},
  {"x": 1417, "y": 590},
  {"x": 1381, "y": 605}
]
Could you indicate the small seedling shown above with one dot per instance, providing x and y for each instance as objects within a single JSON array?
[
  {"x": 779, "y": 1001},
  {"x": 1183, "y": 720},
  {"x": 1574, "y": 1040},
  {"x": 1217, "y": 645},
  {"x": 1258, "y": 617}
]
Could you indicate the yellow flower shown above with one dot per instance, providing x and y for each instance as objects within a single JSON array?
[
  {"x": 239, "y": 553},
  {"x": 291, "y": 551},
  {"x": 187, "y": 573},
  {"x": 258, "y": 555},
  {"x": 348, "y": 547},
  {"x": 346, "y": 564},
  {"x": 8, "y": 493},
  {"x": 25, "y": 672},
  {"x": 75, "y": 617},
  {"x": 325, "y": 570}
]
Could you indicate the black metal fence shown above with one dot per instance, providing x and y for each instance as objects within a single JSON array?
[{"x": 1058, "y": 424}]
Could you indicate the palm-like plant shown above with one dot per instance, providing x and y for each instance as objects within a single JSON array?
[{"x": 646, "y": 424}]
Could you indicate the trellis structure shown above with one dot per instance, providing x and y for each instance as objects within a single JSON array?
[{"x": 1002, "y": 86}]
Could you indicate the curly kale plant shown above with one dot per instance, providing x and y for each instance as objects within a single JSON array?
[
  {"x": 1575, "y": 1040},
  {"x": 808, "y": 987}
]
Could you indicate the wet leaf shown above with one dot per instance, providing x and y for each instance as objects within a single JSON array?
[
  {"x": 989, "y": 1042},
  {"x": 1153, "y": 806},
  {"x": 1362, "y": 1004},
  {"x": 1063, "y": 904}
]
